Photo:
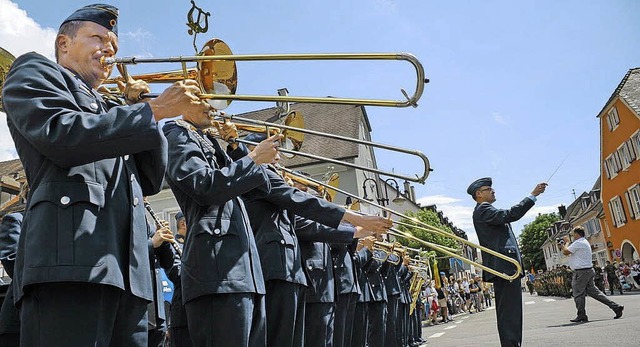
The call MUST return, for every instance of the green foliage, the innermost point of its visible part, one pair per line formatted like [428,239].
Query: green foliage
[431,218]
[532,237]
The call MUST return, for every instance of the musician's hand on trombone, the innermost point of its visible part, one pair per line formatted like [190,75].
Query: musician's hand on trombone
[366,242]
[227,131]
[266,151]
[539,189]
[163,234]
[133,90]
[181,98]
[375,224]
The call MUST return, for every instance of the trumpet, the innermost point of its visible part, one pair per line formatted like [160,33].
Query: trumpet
[217,74]
[446,250]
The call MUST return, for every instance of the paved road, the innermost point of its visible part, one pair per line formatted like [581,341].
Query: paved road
[546,323]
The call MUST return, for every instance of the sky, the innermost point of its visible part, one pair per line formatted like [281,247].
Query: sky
[515,87]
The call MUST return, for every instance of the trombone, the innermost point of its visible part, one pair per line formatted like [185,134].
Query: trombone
[218,75]
[429,228]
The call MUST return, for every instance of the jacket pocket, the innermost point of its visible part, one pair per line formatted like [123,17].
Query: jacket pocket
[218,250]
[63,222]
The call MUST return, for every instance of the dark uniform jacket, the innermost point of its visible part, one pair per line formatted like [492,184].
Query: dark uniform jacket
[391,280]
[376,281]
[404,275]
[220,254]
[344,268]
[360,260]
[494,232]
[272,221]
[160,258]
[178,312]
[88,169]
[9,236]
[316,256]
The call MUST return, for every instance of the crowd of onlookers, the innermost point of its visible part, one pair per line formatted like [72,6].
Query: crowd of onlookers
[618,276]
[453,296]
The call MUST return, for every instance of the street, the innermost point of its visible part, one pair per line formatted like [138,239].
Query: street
[546,323]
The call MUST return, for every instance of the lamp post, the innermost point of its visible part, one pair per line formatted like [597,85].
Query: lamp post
[399,199]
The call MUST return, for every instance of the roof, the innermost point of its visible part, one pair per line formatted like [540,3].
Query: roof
[341,120]
[12,168]
[628,90]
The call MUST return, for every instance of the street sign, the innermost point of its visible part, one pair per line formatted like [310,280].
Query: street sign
[456,264]
[618,253]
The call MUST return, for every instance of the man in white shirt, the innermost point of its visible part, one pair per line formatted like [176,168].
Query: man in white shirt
[582,283]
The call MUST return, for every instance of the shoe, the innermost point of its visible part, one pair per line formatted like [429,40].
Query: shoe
[582,319]
[618,311]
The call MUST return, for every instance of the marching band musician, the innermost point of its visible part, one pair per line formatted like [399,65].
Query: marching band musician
[361,314]
[347,289]
[392,285]
[88,165]
[404,276]
[178,325]
[222,282]
[378,311]
[494,232]
[9,316]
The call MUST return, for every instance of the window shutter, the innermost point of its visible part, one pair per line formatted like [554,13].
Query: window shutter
[613,215]
[632,211]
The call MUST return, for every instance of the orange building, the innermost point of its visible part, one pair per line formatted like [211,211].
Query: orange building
[620,168]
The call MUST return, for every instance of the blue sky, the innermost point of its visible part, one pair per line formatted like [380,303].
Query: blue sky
[515,86]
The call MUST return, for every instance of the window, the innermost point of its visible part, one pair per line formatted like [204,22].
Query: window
[635,142]
[613,119]
[625,156]
[592,227]
[633,199]
[611,166]
[602,258]
[617,212]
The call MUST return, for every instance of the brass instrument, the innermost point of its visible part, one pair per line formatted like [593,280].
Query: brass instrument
[159,223]
[415,287]
[446,250]
[218,74]
[385,251]
[6,59]
[300,131]
[324,192]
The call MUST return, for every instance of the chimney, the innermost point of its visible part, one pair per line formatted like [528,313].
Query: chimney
[413,193]
[562,210]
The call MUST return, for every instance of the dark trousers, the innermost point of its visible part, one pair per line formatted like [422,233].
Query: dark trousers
[360,325]
[180,337]
[345,308]
[319,324]
[285,306]
[509,312]
[582,285]
[402,324]
[156,337]
[236,319]
[377,324]
[82,314]
[9,322]
[391,339]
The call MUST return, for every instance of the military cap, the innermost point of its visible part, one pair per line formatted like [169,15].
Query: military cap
[480,182]
[104,15]
[179,216]
[256,137]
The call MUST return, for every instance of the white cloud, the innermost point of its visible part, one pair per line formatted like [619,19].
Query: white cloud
[498,118]
[20,34]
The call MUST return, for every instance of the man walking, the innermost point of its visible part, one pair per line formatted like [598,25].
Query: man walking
[582,283]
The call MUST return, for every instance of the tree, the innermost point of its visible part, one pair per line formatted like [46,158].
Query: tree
[431,218]
[532,237]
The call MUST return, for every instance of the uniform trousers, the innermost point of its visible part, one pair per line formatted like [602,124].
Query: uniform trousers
[319,324]
[391,339]
[582,285]
[82,314]
[402,325]
[345,308]
[180,337]
[377,324]
[230,319]
[285,307]
[509,312]
[9,322]
[360,325]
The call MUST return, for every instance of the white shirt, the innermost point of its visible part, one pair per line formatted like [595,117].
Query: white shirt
[580,257]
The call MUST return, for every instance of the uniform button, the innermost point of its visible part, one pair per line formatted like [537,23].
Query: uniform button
[335,266]
[126,157]
[282,242]
[65,200]
[135,201]
[216,231]
[310,267]
[93,106]
[133,177]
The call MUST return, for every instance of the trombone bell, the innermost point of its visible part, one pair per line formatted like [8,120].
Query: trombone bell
[218,77]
